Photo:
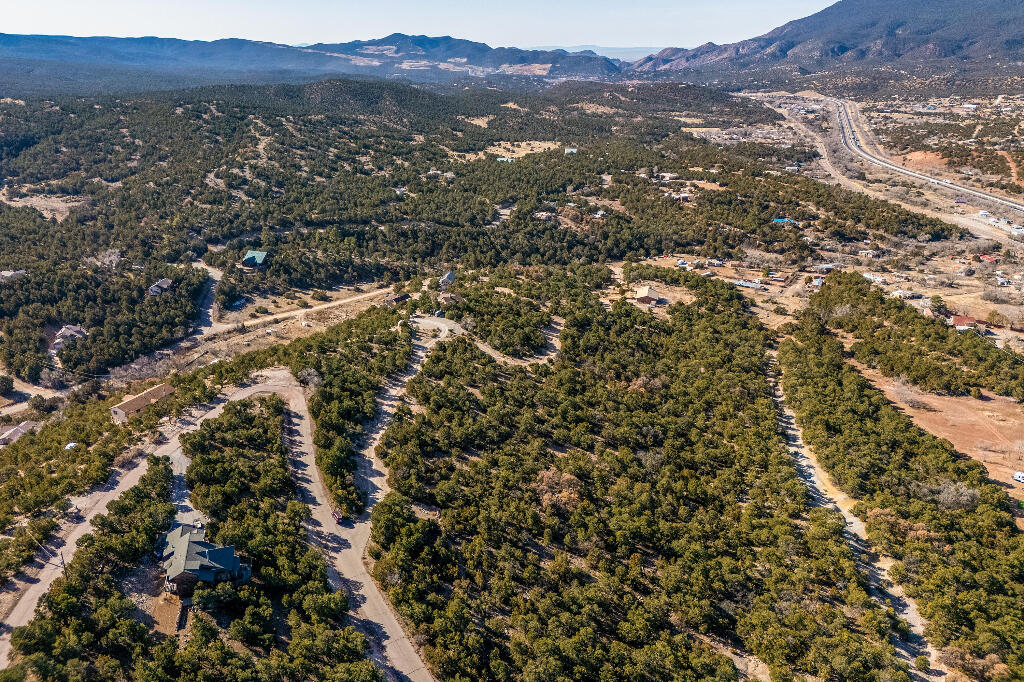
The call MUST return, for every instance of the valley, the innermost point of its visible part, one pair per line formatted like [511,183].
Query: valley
[414,358]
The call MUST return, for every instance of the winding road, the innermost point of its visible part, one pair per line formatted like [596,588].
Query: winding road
[344,544]
[853,140]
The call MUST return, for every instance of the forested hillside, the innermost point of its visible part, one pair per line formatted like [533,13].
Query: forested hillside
[951,530]
[900,341]
[597,514]
[342,182]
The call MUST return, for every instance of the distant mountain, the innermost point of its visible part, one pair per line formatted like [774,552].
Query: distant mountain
[35,64]
[626,54]
[405,54]
[869,32]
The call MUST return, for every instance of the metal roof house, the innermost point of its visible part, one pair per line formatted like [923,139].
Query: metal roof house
[133,405]
[446,280]
[160,286]
[189,559]
[254,259]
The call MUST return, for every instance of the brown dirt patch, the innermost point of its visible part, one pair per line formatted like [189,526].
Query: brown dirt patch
[166,610]
[924,161]
[595,108]
[482,121]
[517,150]
[990,430]
[50,205]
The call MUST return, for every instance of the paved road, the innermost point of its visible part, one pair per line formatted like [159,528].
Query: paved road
[853,140]
[824,493]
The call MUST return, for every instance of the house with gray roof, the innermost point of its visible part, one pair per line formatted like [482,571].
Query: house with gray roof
[189,559]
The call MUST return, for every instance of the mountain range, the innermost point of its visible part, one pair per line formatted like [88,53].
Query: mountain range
[936,34]
[869,32]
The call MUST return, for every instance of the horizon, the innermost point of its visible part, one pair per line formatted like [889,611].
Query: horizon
[574,23]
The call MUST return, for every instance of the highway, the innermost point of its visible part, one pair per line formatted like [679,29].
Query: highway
[852,141]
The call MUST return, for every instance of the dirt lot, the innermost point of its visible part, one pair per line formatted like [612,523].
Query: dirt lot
[990,430]
[517,150]
[50,205]
[280,304]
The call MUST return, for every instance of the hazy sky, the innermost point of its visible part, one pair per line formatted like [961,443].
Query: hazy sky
[508,22]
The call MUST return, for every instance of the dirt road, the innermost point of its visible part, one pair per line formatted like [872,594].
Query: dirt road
[375,618]
[24,606]
[824,493]
[28,593]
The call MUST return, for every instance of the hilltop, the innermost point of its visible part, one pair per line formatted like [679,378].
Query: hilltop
[944,33]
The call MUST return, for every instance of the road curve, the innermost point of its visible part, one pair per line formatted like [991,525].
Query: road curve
[851,140]
[95,502]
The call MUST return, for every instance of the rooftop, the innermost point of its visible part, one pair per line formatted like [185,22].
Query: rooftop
[254,257]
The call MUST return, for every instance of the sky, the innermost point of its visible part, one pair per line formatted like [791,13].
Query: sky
[615,23]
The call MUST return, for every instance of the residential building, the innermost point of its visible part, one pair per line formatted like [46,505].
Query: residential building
[449,298]
[133,405]
[646,295]
[188,559]
[254,259]
[13,433]
[395,299]
[570,151]
[160,286]
[447,279]
[67,333]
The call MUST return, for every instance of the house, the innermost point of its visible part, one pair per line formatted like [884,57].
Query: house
[189,559]
[160,286]
[254,259]
[600,214]
[7,275]
[447,279]
[13,433]
[667,177]
[818,282]
[67,333]
[784,221]
[506,159]
[449,299]
[876,279]
[966,323]
[826,267]
[906,295]
[867,253]
[1002,281]
[746,284]
[570,151]
[715,262]
[133,405]
[646,295]
[395,299]
[988,259]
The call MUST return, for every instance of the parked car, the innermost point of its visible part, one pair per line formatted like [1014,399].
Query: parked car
[1019,477]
